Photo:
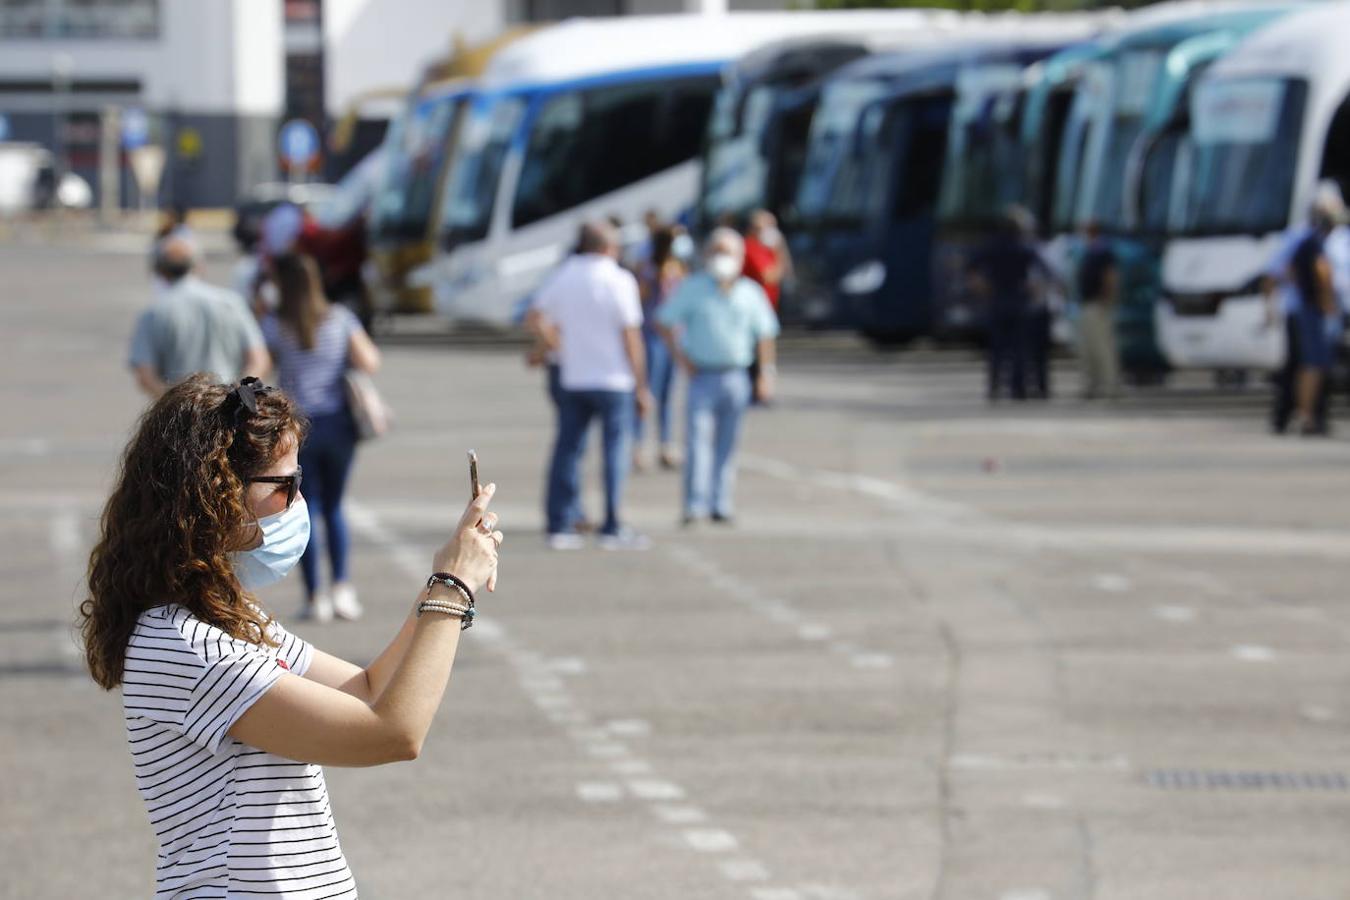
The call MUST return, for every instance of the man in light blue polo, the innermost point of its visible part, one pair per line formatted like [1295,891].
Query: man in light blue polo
[714,322]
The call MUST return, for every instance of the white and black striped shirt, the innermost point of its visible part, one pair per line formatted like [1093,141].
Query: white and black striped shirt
[232,821]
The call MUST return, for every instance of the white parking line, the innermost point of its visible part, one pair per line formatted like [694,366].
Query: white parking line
[744,870]
[1253,653]
[655,789]
[630,727]
[1112,583]
[600,791]
[679,815]
[1174,613]
[608,750]
[710,840]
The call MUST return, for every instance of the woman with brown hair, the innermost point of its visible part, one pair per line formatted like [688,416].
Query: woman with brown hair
[314,342]
[229,717]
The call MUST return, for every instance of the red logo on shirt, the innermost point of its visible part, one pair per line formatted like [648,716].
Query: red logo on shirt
[281,662]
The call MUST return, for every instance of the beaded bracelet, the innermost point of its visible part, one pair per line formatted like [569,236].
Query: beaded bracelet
[464,611]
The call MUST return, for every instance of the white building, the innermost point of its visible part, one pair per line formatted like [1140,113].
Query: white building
[212,74]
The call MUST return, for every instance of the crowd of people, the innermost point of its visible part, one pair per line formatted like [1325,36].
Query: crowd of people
[283,326]
[614,324]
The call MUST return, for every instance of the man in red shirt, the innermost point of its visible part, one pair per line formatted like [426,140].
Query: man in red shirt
[766,255]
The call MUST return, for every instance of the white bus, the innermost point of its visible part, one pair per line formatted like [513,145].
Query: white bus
[589,118]
[1269,121]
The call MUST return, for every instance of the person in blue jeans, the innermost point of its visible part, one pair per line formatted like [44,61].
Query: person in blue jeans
[714,323]
[313,343]
[589,310]
[658,276]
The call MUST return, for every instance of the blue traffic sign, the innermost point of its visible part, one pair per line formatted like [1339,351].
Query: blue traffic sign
[4,127]
[299,143]
[135,128]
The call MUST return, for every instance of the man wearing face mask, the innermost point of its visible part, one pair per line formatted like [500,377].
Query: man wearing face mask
[715,323]
[192,327]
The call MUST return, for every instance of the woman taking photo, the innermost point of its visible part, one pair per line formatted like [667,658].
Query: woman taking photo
[314,342]
[229,717]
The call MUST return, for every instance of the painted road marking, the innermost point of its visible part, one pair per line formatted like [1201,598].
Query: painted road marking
[744,870]
[710,840]
[600,791]
[630,727]
[1174,613]
[1253,653]
[1112,583]
[631,767]
[655,789]
[679,815]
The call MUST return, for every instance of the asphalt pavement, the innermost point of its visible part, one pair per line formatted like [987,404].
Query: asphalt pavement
[948,651]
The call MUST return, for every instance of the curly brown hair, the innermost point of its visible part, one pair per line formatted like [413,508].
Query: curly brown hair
[176,514]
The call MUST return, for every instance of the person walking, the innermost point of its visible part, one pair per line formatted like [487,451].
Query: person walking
[1005,272]
[1317,322]
[713,324]
[1098,297]
[658,277]
[314,343]
[230,717]
[192,327]
[1285,300]
[590,310]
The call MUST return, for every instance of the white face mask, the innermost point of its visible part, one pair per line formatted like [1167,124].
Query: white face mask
[770,237]
[724,267]
[285,537]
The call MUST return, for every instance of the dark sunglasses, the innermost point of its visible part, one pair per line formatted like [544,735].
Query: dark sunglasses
[292,483]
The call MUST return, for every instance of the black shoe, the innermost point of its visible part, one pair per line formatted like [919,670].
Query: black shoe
[720,519]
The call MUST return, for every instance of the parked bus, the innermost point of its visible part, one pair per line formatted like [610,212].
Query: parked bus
[401,226]
[892,144]
[1268,122]
[589,118]
[757,134]
[405,216]
[1138,76]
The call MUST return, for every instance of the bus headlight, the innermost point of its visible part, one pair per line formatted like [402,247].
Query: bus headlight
[864,278]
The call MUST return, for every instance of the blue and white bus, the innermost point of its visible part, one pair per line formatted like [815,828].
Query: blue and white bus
[761,120]
[589,118]
[1269,121]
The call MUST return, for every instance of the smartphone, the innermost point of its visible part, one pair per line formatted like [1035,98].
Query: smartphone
[473,474]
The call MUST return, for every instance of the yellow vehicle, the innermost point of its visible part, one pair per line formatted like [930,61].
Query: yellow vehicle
[403,219]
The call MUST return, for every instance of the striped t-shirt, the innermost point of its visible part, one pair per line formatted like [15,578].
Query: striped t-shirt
[313,378]
[232,821]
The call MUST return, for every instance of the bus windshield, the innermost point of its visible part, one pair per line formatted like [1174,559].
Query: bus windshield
[484,140]
[1135,79]
[735,172]
[984,172]
[1246,134]
[418,146]
[844,168]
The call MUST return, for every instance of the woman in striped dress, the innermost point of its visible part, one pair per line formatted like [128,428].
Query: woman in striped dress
[229,716]
[313,343]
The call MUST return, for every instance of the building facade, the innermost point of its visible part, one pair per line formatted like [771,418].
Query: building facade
[216,78]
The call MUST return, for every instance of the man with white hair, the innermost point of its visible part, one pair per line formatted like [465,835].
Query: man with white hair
[1326,212]
[193,327]
[589,310]
[714,323]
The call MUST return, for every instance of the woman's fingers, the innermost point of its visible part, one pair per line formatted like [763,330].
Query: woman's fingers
[477,507]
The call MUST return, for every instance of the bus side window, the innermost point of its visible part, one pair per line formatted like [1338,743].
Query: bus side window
[586,145]
[1336,156]
[921,176]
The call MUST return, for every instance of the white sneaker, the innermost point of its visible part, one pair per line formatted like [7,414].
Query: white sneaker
[319,609]
[566,540]
[345,604]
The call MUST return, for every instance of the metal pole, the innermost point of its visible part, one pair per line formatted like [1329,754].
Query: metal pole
[109,168]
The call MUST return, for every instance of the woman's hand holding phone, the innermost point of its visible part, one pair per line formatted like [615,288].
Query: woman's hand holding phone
[471,553]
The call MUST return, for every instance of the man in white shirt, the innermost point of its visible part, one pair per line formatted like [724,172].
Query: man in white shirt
[589,310]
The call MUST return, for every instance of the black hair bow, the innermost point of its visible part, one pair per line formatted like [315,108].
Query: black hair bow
[244,397]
